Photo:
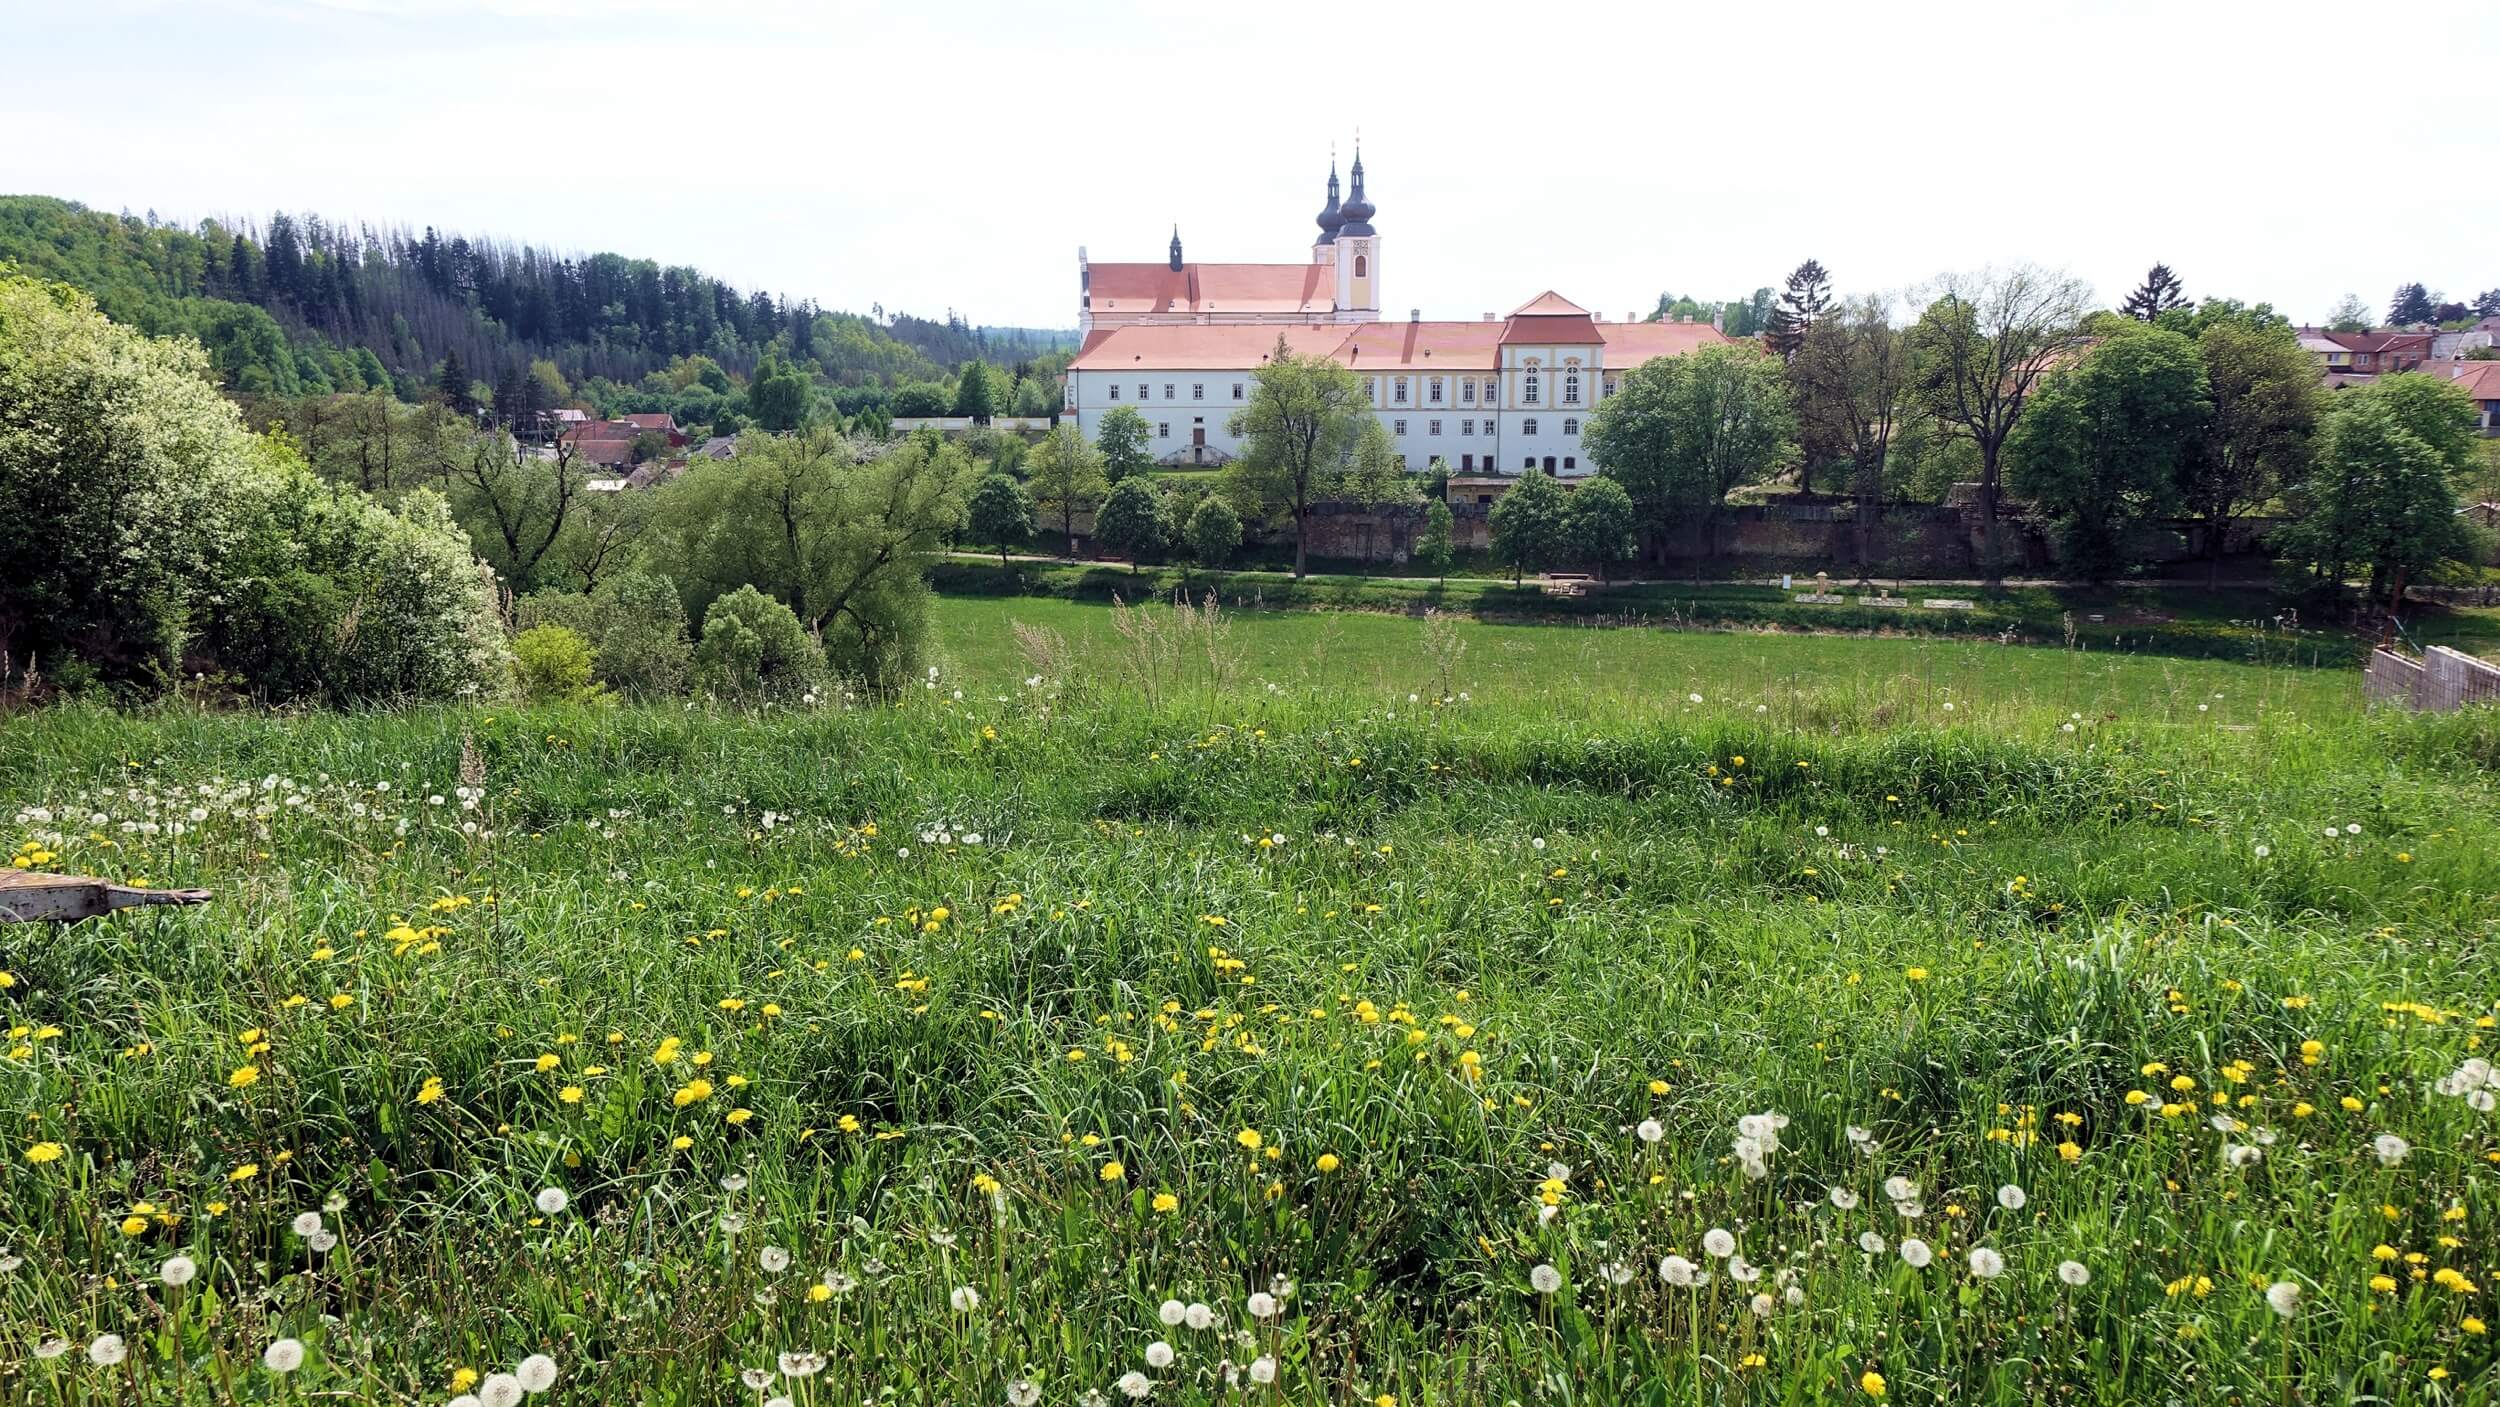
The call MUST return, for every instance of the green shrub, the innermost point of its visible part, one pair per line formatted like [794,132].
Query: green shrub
[636,627]
[754,651]
[552,665]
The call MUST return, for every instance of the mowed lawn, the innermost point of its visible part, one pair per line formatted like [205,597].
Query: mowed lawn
[1597,671]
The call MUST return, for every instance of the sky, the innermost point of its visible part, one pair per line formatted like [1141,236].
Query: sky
[956,153]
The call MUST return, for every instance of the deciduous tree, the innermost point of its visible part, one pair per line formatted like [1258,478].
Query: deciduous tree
[1121,438]
[2381,494]
[1680,433]
[1132,521]
[1855,396]
[2100,447]
[1602,525]
[1296,433]
[1066,476]
[2265,411]
[1532,525]
[1000,514]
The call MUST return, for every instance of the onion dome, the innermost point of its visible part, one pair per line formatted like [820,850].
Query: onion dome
[1359,210]
[1330,220]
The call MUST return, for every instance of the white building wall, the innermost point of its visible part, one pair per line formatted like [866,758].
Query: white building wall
[1176,413]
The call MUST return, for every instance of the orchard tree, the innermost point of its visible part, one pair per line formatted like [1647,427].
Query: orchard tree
[2381,494]
[1132,521]
[1854,396]
[1000,513]
[1435,548]
[2100,447]
[1121,440]
[1214,532]
[1066,475]
[2265,415]
[1681,432]
[1983,345]
[1532,525]
[1296,433]
[1602,525]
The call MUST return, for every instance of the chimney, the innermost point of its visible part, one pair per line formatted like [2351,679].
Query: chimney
[1414,315]
[1490,318]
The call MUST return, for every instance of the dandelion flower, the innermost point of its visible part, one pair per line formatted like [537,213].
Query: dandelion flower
[1263,1370]
[1985,1263]
[965,1299]
[1546,1279]
[1158,1354]
[1870,1243]
[1844,1199]
[1263,1305]
[1900,1189]
[500,1390]
[803,1364]
[1917,1253]
[773,1259]
[283,1356]
[1199,1316]
[2391,1150]
[1718,1242]
[1678,1271]
[1871,1383]
[1172,1313]
[2283,1296]
[2012,1198]
[1135,1384]
[551,1200]
[2074,1272]
[1650,1130]
[307,1224]
[178,1270]
[107,1350]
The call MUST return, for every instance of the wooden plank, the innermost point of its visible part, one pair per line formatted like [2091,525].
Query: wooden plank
[27,896]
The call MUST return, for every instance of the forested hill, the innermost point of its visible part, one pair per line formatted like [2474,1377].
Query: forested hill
[303,305]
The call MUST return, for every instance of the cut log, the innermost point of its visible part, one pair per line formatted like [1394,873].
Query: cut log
[27,896]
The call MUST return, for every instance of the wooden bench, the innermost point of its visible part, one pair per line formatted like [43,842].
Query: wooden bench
[29,896]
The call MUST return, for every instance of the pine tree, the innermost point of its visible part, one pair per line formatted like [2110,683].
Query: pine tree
[2487,303]
[1800,306]
[2158,294]
[2412,304]
[452,384]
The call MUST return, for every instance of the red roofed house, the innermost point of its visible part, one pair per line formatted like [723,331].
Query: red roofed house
[2343,356]
[2481,383]
[1177,342]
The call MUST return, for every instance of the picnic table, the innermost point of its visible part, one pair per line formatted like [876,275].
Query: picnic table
[31,896]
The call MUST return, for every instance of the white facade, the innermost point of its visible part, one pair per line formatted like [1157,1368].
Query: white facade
[1180,342]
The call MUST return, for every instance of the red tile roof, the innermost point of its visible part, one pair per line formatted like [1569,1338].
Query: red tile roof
[652,421]
[2479,380]
[1549,304]
[1551,331]
[1410,346]
[1460,346]
[1210,288]
[1199,347]
[1628,344]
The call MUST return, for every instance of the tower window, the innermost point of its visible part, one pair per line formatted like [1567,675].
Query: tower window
[1362,266]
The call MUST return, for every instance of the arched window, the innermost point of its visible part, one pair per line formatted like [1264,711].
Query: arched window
[1527,391]
[1362,266]
[1571,388]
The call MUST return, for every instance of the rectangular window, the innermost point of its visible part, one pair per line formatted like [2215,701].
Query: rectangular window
[1167,390]
[1198,392]
[1527,389]
[1436,390]
[1467,392]
[1115,390]
[1571,388]
[1528,462]
[1163,431]
[1401,390]
[1527,427]
[1570,462]
[1492,390]
[1236,390]
[1397,427]
[1466,461]
[1466,427]
[1141,390]
[1571,427]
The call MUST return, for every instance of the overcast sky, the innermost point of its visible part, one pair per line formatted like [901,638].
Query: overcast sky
[954,153]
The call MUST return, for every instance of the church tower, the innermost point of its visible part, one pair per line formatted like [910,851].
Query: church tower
[1324,252]
[1357,247]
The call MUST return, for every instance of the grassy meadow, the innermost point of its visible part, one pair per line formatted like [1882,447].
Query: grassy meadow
[1288,1009]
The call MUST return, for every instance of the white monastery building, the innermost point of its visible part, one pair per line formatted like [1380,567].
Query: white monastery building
[1177,341]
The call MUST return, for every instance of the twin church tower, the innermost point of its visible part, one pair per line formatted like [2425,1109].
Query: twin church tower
[1340,284]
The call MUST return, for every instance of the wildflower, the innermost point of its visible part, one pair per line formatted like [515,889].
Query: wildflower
[800,1365]
[1871,1383]
[46,1152]
[1166,1203]
[1328,1162]
[1985,1263]
[178,1271]
[107,1350]
[307,1224]
[1917,1253]
[1199,1316]
[1546,1279]
[1023,1393]
[2283,1297]
[1718,1242]
[2074,1272]
[1263,1305]
[2012,1198]
[773,1259]
[1650,1130]
[1135,1384]
[1844,1199]
[551,1200]
[1159,1354]
[1678,1271]
[283,1355]
[1263,1369]
[244,1077]
[1112,1171]
[1870,1243]
[431,1090]
[965,1299]
[1172,1312]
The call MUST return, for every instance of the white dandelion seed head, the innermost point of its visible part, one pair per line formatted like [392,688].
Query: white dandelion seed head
[1135,1384]
[1199,1316]
[551,1200]
[1023,1392]
[1917,1253]
[178,1270]
[802,1363]
[2283,1296]
[965,1299]
[1262,1305]
[1985,1263]
[1159,1354]
[1172,1312]
[1870,1243]
[283,1355]
[307,1224]
[500,1390]
[536,1372]
[1900,1189]
[1719,1242]
[2012,1198]
[1650,1130]
[1844,1199]
[1678,1271]
[1546,1279]
[773,1259]
[2074,1272]
[323,1241]
[2390,1148]
[756,1379]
